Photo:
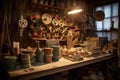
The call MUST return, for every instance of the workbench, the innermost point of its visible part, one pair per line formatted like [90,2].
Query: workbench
[55,67]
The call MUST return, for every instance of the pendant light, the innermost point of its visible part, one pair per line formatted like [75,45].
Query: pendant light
[75,9]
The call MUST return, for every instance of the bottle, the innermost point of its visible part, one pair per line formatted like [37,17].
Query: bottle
[69,40]
[39,54]
[5,43]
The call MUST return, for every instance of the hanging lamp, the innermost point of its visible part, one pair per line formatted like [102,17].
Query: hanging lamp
[75,9]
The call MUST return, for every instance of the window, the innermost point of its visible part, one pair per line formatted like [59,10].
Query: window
[111,14]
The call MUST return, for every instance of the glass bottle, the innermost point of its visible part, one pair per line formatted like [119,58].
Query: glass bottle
[39,54]
[69,40]
[5,43]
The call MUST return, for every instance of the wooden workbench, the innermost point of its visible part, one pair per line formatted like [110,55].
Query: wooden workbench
[55,67]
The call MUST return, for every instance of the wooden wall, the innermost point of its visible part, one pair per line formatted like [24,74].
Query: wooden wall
[103,2]
[14,9]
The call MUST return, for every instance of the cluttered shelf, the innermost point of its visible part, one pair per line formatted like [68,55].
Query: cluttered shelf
[47,6]
[55,67]
[39,39]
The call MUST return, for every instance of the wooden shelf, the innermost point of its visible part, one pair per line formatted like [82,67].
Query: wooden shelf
[46,39]
[46,7]
[39,39]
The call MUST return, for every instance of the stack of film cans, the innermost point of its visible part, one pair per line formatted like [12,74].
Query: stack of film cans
[25,60]
[48,55]
[10,62]
[56,53]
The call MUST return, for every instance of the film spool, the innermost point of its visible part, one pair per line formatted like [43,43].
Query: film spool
[56,53]
[25,60]
[56,50]
[48,51]
[10,62]
[48,54]
[32,56]
[48,58]
[56,58]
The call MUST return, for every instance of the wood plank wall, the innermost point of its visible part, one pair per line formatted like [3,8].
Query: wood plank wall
[23,6]
[14,10]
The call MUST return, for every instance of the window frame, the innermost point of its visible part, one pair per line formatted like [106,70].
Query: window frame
[111,17]
[104,31]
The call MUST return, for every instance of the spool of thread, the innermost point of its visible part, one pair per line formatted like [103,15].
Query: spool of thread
[48,54]
[10,62]
[25,60]
[56,53]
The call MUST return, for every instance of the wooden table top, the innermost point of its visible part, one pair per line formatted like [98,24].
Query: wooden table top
[55,67]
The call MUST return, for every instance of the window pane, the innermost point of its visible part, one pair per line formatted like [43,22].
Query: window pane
[99,25]
[114,35]
[99,8]
[99,34]
[107,24]
[115,22]
[107,11]
[115,9]
[108,35]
